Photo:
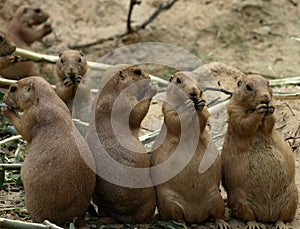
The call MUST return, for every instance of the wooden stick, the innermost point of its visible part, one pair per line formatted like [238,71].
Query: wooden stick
[10,166]
[285,81]
[286,96]
[12,138]
[16,224]
[34,56]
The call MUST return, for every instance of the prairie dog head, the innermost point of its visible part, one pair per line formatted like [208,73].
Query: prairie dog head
[124,76]
[181,82]
[20,96]
[7,46]
[253,90]
[71,67]
[31,15]
[28,92]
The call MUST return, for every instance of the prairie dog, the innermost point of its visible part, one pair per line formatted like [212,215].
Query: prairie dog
[126,204]
[258,166]
[57,173]
[190,196]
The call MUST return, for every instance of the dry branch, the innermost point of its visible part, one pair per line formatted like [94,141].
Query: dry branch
[52,59]
[12,138]
[132,4]
[285,81]
[218,89]
[34,56]
[286,96]
[10,166]
[16,224]
[164,6]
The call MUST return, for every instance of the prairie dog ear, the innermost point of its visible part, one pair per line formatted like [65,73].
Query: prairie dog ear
[239,83]
[171,78]
[138,72]
[81,52]
[30,87]
[121,76]
[25,10]
[59,55]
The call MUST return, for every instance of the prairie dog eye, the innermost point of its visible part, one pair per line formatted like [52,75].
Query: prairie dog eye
[138,72]
[249,88]
[62,61]
[178,81]
[37,10]
[1,38]
[79,60]
[13,88]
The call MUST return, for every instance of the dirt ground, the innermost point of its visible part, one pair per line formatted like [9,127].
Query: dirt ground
[254,35]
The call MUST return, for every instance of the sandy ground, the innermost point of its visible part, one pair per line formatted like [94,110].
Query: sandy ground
[254,35]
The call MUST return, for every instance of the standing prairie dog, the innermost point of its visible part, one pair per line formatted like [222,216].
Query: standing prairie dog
[124,203]
[70,70]
[57,173]
[258,166]
[22,32]
[190,196]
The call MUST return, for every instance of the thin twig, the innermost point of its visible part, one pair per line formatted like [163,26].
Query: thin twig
[219,89]
[51,225]
[284,81]
[13,224]
[295,135]
[12,138]
[14,209]
[164,6]
[294,3]
[291,110]
[10,166]
[286,96]
[132,4]
[292,138]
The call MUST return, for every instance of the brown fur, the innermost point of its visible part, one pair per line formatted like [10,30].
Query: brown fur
[58,182]
[189,196]
[70,70]
[7,47]
[258,166]
[22,32]
[128,205]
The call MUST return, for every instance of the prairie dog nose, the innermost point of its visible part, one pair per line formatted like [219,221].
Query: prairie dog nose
[265,99]
[193,92]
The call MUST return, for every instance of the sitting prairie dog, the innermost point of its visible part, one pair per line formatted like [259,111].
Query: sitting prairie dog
[22,32]
[70,70]
[7,47]
[189,196]
[57,173]
[258,166]
[123,203]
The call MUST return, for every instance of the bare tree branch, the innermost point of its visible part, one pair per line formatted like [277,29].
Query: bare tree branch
[12,224]
[164,6]
[132,4]
[10,166]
